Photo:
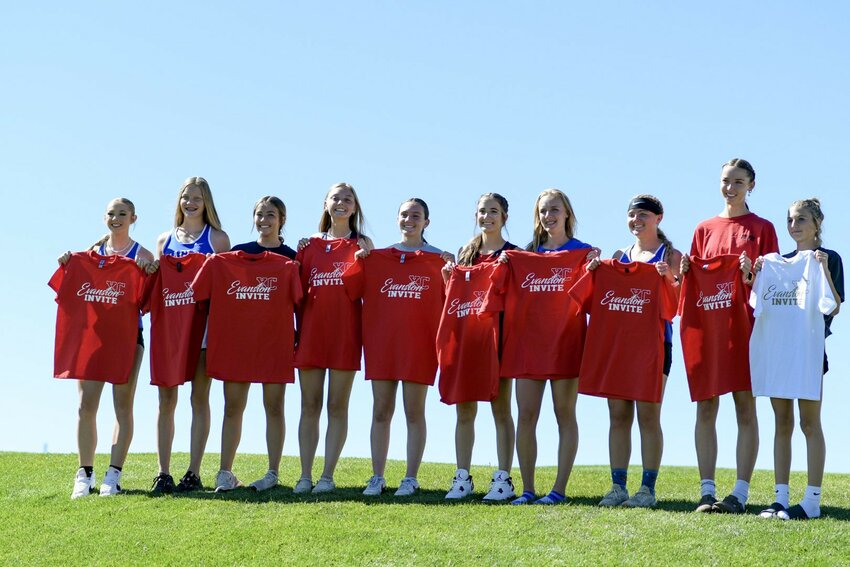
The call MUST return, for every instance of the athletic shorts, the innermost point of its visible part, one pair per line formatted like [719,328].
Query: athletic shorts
[825,363]
[140,338]
[668,358]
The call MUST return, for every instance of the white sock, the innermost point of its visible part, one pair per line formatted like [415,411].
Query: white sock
[811,501]
[462,474]
[741,491]
[782,493]
[501,475]
[707,487]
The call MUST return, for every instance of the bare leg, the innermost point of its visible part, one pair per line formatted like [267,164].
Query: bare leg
[748,434]
[165,427]
[235,400]
[465,433]
[810,423]
[90,392]
[384,394]
[339,394]
[504,420]
[414,411]
[622,414]
[200,399]
[275,425]
[122,400]
[783,412]
[705,437]
[529,397]
[312,381]
[651,436]
[564,394]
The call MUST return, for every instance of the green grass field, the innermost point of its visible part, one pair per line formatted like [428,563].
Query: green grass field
[41,525]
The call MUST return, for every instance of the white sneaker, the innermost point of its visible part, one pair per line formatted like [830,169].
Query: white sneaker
[324,485]
[615,497]
[462,485]
[501,488]
[376,486]
[303,486]
[268,481]
[226,480]
[111,482]
[408,487]
[83,484]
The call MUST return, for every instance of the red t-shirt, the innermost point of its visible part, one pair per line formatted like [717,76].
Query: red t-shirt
[250,328]
[543,333]
[329,322]
[177,324]
[628,304]
[97,322]
[748,233]
[715,327]
[402,300]
[467,344]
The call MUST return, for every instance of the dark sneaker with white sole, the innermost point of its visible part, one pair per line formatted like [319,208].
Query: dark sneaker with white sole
[189,483]
[705,504]
[729,505]
[162,484]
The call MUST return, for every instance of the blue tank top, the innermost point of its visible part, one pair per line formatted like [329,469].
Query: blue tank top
[571,244]
[657,257]
[201,245]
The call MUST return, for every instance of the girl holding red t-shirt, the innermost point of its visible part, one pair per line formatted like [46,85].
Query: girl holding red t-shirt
[736,230]
[269,218]
[554,230]
[196,229]
[120,215]
[413,217]
[487,246]
[652,247]
[326,317]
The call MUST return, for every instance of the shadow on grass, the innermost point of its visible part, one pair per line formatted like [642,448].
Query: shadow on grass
[284,495]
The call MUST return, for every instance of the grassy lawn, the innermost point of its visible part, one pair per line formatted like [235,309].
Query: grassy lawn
[41,525]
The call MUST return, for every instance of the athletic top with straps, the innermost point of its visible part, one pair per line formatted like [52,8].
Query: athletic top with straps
[131,254]
[201,245]
[657,257]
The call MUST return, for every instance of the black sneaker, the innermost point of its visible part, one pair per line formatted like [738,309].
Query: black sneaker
[190,482]
[706,503]
[729,505]
[162,484]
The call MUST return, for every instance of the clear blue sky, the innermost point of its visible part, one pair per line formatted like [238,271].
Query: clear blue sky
[438,100]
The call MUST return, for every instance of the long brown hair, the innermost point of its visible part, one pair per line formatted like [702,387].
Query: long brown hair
[540,236]
[473,248]
[278,204]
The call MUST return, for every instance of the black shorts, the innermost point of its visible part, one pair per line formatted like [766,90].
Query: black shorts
[825,363]
[668,358]
[140,338]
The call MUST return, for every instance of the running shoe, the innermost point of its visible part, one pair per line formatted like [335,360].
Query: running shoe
[324,485]
[376,486]
[226,480]
[643,498]
[706,503]
[729,505]
[111,482]
[162,484]
[189,483]
[303,486]
[408,486]
[462,485]
[268,481]
[501,488]
[83,484]
[615,497]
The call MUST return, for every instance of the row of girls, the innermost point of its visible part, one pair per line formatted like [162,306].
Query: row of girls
[480,310]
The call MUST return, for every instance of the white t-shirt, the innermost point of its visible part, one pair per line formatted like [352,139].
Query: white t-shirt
[790,297]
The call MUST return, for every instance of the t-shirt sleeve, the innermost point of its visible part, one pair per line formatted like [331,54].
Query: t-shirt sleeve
[836,271]
[755,293]
[582,291]
[202,284]
[669,301]
[494,299]
[696,243]
[295,283]
[57,278]
[151,283]
[769,242]
[353,279]
[826,301]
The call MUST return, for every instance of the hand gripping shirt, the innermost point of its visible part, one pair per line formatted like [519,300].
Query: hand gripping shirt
[715,327]
[402,296]
[177,323]
[543,333]
[467,347]
[251,334]
[97,321]
[329,321]
[624,354]
[789,299]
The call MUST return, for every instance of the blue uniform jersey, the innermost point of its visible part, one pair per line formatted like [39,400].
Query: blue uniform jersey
[571,244]
[201,245]
[657,257]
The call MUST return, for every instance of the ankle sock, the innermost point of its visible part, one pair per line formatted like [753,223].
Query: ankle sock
[462,474]
[741,491]
[116,468]
[648,479]
[619,476]
[555,496]
[811,501]
[89,471]
[782,494]
[707,487]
